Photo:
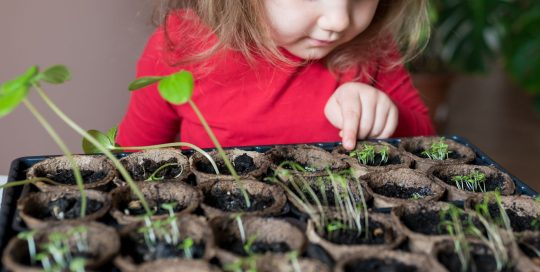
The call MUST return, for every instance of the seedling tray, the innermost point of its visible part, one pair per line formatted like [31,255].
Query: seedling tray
[10,223]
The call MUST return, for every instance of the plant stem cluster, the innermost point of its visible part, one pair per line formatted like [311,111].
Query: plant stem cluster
[475,181]
[366,155]
[437,151]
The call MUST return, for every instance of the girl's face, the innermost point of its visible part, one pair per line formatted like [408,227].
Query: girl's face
[310,29]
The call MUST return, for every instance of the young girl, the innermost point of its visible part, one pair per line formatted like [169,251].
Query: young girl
[282,72]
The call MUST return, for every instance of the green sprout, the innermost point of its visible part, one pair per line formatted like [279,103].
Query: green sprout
[293,257]
[238,218]
[154,177]
[247,264]
[77,265]
[417,196]
[475,181]
[29,237]
[335,226]
[187,246]
[454,227]
[249,244]
[437,151]
[368,152]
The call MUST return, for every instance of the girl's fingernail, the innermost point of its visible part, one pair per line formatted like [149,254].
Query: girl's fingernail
[349,144]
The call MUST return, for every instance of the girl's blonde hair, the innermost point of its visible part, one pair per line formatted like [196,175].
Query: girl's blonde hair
[241,25]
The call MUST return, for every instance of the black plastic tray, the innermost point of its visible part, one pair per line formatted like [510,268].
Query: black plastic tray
[9,228]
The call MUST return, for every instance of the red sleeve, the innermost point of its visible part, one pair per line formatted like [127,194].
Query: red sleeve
[149,119]
[414,117]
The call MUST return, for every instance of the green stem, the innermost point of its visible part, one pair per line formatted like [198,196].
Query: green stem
[220,151]
[97,144]
[28,181]
[192,146]
[65,150]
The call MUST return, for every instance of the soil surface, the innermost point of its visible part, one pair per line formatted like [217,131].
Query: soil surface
[529,246]
[67,208]
[141,253]
[517,222]
[482,260]
[453,155]
[378,161]
[234,201]
[66,176]
[391,189]
[492,183]
[242,164]
[378,265]
[148,167]
[352,237]
[136,208]
[236,246]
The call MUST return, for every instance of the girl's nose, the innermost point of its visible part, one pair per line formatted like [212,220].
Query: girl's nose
[334,18]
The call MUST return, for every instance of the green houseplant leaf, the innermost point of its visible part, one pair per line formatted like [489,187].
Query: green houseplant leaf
[14,91]
[177,88]
[56,74]
[103,139]
[143,82]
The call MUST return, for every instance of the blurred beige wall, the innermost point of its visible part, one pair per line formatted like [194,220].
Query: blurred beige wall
[99,40]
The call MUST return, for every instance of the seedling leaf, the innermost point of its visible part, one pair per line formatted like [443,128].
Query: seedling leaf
[12,92]
[143,82]
[103,139]
[177,88]
[56,74]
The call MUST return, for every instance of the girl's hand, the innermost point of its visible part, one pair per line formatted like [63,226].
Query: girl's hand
[361,111]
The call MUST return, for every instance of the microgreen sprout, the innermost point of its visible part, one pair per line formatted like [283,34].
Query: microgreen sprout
[475,181]
[417,196]
[154,177]
[247,264]
[452,223]
[187,246]
[368,154]
[437,151]
[293,257]
[241,230]
[177,89]
[29,237]
[249,244]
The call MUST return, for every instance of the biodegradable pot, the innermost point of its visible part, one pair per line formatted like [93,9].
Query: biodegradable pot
[177,265]
[103,242]
[39,208]
[126,207]
[388,260]
[495,180]
[225,198]
[460,154]
[382,232]
[400,186]
[420,222]
[271,236]
[396,159]
[284,263]
[314,159]
[140,165]
[529,244]
[317,183]
[482,258]
[523,211]
[96,171]
[134,252]
[247,164]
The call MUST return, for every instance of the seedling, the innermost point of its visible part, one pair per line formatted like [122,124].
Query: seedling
[154,177]
[368,153]
[247,264]
[249,244]
[13,92]
[475,181]
[238,218]
[454,227]
[177,89]
[417,196]
[29,237]
[187,246]
[437,151]
[293,257]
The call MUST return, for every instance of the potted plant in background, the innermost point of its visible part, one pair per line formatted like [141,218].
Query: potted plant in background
[467,37]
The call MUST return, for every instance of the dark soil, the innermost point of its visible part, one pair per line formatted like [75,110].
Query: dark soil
[70,207]
[140,252]
[378,265]
[492,183]
[529,246]
[428,222]
[482,260]
[391,189]
[242,164]
[236,246]
[148,167]
[234,201]
[517,222]
[136,208]
[352,237]
[66,176]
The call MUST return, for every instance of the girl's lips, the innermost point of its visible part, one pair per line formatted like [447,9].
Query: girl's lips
[316,42]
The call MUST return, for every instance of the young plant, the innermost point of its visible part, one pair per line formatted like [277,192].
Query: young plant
[417,196]
[248,245]
[368,153]
[177,89]
[437,151]
[293,257]
[452,223]
[154,177]
[29,237]
[13,92]
[187,246]
[475,181]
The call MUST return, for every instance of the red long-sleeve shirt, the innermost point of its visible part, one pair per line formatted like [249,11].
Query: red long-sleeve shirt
[250,103]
